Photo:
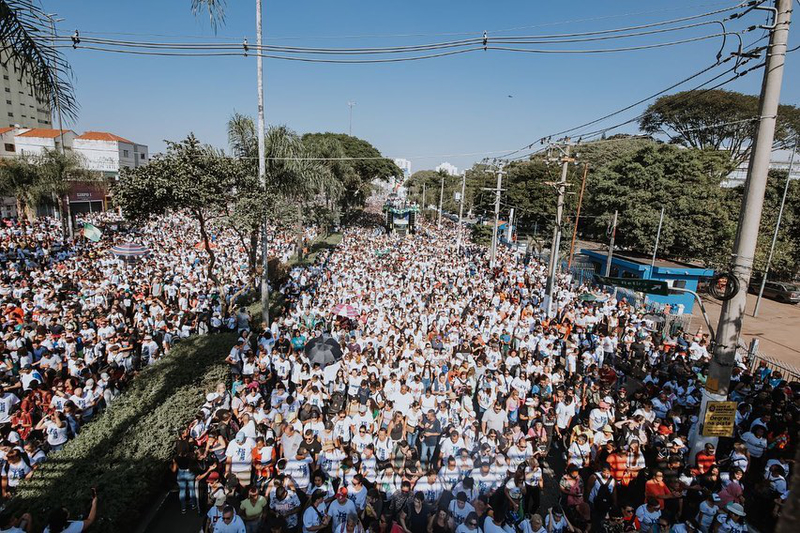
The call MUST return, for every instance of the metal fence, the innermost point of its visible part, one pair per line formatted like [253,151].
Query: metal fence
[753,358]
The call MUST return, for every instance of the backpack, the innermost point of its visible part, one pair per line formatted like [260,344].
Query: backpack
[603,499]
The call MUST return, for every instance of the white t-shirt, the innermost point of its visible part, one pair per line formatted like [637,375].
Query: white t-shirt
[241,455]
[7,402]
[646,517]
[75,526]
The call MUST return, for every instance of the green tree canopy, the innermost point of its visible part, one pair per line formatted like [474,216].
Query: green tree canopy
[698,225]
[716,119]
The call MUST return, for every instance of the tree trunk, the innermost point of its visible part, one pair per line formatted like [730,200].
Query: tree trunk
[22,217]
[212,260]
[299,231]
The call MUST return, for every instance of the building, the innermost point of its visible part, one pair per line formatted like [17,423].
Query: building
[98,151]
[36,140]
[107,153]
[448,168]
[405,166]
[19,104]
[780,161]
[633,265]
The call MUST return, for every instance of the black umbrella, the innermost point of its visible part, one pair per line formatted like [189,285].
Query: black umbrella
[323,350]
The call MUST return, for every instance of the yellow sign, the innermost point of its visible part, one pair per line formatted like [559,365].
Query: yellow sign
[720,419]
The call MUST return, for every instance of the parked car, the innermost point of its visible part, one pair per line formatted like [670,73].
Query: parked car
[777,290]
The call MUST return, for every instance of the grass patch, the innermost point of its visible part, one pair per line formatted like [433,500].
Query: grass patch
[127,450]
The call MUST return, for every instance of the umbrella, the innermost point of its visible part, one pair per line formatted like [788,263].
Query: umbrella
[345,310]
[323,350]
[129,249]
[202,246]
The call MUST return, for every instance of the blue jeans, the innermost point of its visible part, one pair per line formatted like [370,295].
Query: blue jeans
[411,437]
[426,457]
[186,490]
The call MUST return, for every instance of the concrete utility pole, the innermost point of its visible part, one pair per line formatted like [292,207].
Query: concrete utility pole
[424,192]
[67,211]
[610,255]
[733,310]
[658,238]
[493,254]
[441,198]
[561,187]
[577,215]
[350,105]
[510,225]
[461,209]
[262,172]
[775,234]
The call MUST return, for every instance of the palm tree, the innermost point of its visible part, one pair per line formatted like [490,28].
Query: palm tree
[27,44]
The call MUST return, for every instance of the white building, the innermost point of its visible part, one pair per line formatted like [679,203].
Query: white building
[36,140]
[108,153]
[448,168]
[19,103]
[405,166]
[780,161]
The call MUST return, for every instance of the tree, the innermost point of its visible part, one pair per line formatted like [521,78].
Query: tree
[190,177]
[697,225]
[28,48]
[41,180]
[293,180]
[716,119]
[366,160]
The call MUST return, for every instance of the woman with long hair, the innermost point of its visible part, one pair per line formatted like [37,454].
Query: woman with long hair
[59,521]
[184,466]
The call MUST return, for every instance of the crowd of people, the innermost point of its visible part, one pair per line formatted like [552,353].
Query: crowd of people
[459,406]
[79,322]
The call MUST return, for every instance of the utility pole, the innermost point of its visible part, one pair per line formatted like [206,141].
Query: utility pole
[441,198]
[577,216]
[510,225]
[262,172]
[658,238]
[611,244]
[775,234]
[733,310]
[561,187]
[350,105]
[493,254]
[67,211]
[461,209]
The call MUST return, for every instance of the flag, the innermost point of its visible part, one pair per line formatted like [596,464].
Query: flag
[92,232]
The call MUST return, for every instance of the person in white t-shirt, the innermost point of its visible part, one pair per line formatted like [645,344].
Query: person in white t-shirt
[59,521]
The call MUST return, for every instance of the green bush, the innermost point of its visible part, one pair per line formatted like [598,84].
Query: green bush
[126,451]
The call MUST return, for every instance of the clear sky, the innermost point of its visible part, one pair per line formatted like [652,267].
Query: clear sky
[427,111]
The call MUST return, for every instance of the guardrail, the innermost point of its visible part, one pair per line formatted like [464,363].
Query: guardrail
[753,358]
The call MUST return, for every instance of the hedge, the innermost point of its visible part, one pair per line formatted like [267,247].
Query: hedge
[126,451]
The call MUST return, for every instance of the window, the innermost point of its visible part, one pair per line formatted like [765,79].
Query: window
[125,153]
[8,102]
[9,147]
[10,114]
[5,76]
[679,283]
[141,156]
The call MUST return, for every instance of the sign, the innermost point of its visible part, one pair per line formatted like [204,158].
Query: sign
[719,419]
[650,286]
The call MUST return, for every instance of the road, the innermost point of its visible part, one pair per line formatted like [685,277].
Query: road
[777,326]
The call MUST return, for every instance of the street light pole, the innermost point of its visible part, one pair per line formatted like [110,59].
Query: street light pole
[461,209]
[262,171]
[441,198]
[67,219]
[350,105]
[658,238]
[775,234]
[610,255]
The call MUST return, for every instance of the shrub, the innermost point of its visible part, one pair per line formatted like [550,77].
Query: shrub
[126,451]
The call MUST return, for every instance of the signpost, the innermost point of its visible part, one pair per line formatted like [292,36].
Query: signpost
[650,286]
[719,419]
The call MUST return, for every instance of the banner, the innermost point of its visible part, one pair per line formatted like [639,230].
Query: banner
[650,286]
[92,232]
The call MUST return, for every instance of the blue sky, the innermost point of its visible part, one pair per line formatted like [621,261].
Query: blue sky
[427,111]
